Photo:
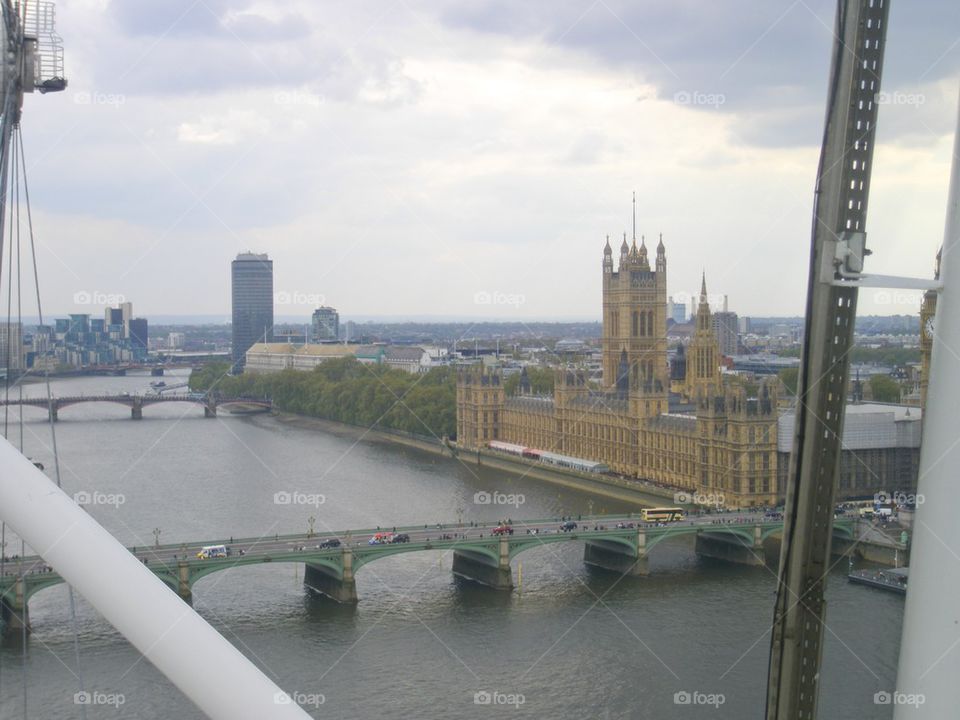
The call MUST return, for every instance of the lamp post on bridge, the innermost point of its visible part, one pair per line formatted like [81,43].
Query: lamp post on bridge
[156,537]
[311,520]
[460,515]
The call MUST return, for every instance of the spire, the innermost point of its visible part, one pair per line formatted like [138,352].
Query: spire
[660,248]
[703,287]
[607,250]
[624,248]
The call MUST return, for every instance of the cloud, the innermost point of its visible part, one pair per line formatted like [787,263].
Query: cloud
[767,60]
[400,158]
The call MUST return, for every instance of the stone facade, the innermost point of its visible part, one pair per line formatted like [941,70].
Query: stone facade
[713,439]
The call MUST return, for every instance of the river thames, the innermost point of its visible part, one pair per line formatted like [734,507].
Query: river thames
[689,640]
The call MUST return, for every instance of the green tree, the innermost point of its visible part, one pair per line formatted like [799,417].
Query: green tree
[349,391]
[789,377]
[884,389]
[202,379]
[541,381]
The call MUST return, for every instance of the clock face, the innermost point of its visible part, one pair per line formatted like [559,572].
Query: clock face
[928,328]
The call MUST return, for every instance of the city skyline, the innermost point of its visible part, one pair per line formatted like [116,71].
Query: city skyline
[467,154]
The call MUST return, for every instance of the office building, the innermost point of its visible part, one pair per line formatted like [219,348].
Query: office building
[325,324]
[677,311]
[252,291]
[138,335]
[726,328]
[11,346]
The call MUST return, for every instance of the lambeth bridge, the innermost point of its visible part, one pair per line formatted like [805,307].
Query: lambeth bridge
[136,403]
[620,543]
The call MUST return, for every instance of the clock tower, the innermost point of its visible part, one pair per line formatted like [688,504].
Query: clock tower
[928,310]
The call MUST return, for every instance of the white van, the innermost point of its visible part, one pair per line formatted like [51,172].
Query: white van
[213,551]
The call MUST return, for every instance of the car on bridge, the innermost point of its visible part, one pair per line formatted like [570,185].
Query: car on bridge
[568,526]
[381,538]
[401,538]
[503,530]
[331,543]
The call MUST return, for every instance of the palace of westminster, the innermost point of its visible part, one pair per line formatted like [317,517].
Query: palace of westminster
[679,422]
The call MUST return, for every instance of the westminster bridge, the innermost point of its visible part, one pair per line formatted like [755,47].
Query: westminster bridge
[620,543]
[137,403]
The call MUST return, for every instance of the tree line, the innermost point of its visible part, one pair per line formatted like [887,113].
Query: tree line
[348,391]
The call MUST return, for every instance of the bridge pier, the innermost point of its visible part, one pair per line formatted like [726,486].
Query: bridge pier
[478,567]
[184,588]
[324,580]
[617,557]
[52,413]
[732,548]
[14,614]
[136,409]
[209,410]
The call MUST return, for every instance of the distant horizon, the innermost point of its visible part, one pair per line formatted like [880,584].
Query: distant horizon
[400,319]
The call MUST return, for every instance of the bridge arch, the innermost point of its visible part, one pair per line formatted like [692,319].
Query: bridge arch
[529,542]
[331,561]
[60,404]
[45,581]
[741,531]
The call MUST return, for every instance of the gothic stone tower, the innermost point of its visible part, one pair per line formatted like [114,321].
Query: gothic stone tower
[635,323]
[703,354]
[480,400]
[927,311]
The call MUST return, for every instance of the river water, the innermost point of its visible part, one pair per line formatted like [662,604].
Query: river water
[570,643]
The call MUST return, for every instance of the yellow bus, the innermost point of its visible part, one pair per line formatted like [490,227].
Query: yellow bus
[662,514]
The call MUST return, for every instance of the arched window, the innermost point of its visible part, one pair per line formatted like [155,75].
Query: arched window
[635,323]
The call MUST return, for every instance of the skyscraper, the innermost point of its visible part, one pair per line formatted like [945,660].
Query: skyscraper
[252,282]
[138,337]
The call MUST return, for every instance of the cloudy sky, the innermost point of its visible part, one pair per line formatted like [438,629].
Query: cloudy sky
[464,157]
